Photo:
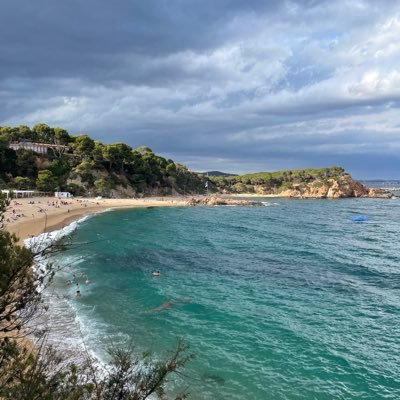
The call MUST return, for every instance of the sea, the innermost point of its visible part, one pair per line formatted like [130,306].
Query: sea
[391,185]
[289,300]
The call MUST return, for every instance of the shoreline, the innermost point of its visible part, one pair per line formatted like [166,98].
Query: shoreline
[256,195]
[25,219]
[296,197]
[31,217]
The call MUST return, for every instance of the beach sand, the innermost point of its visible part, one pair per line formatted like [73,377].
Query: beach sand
[33,216]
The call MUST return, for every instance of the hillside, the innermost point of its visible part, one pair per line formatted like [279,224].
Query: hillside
[81,165]
[217,173]
[332,182]
[53,160]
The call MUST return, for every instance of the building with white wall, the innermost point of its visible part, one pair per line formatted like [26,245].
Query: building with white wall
[40,148]
[63,195]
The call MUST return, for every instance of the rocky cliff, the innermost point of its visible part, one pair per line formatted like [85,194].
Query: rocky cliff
[338,187]
[328,182]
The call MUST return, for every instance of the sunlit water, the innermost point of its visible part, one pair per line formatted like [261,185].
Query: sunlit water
[292,300]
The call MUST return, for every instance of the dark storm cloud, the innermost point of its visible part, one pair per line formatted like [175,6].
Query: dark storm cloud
[222,84]
[109,40]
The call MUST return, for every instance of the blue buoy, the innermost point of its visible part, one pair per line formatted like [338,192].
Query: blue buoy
[359,218]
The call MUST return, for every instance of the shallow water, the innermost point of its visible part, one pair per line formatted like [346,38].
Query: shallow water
[289,301]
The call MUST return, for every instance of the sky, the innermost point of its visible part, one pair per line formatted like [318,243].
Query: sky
[229,85]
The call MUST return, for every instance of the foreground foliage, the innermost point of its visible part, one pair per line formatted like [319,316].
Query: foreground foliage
[47,375]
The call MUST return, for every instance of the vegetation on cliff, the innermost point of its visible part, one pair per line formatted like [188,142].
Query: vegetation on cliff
[84,166]
[87,166]
[275,181]
[332,182]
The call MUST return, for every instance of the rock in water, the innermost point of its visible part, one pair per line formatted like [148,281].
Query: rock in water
[217,201]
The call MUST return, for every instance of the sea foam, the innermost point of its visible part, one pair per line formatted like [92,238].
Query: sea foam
[269,204]
[67,329]
[46,239]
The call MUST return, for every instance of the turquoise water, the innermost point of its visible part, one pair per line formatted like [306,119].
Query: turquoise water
[288,301]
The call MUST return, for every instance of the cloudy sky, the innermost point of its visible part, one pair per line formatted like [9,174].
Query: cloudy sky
[233,85]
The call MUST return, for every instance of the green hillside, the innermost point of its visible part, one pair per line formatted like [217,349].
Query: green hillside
[217,173]
[83,166]
[87,166]
[275,181]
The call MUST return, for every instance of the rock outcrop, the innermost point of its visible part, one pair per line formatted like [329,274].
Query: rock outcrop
[217,201]
[380,193]
[334,188]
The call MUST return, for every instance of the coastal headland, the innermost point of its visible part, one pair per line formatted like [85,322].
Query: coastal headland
[330,183]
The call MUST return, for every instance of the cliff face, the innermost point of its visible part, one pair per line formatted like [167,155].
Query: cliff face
[329,182]
[339,187]
[91,180]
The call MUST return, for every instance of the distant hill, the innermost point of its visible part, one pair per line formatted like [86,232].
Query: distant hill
[217,173]
[332,182]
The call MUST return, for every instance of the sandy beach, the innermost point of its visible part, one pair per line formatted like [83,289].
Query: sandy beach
[33,216]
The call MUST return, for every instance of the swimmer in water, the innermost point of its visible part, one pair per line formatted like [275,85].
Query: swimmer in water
[156,273]
[78,293]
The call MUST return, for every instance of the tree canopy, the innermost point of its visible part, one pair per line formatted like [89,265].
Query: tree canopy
[89,166]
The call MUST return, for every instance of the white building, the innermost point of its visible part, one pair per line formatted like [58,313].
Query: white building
[18,194]
[40,148]
[63,195]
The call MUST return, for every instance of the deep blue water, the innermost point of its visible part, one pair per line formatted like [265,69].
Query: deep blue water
[288,301]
